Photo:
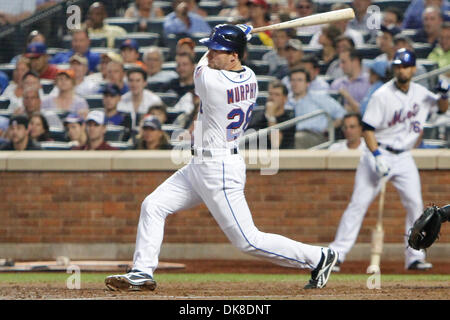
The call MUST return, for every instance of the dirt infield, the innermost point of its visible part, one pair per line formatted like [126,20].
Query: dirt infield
[337,289]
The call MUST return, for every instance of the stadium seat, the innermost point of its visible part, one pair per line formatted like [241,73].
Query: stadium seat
[262,99]
[433,144]
[155,86]
[94,101]
[165,6]
[156,26]
[129,24]
[263,82]
[170,128]
[4,103]
[5,113]
[336,96]
[304,37]
[422,50]
[171,65]
[172,115]
[62,114]
[47,85]
[58,134]
[257,52]
[102,50]
[211,7]
[53,51]
[430,131]
[428,65]
[259,67]
[121,145]
[144,39]
[311,50]
[256,41]
[199,52]
[400,4]
[8,68]
[215,20]
[55,145]
[369,51]
[169,98]
[114,133]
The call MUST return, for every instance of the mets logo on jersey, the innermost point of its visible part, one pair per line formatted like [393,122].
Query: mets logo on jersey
[400,116]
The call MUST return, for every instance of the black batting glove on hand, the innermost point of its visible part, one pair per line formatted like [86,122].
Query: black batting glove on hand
[442,88]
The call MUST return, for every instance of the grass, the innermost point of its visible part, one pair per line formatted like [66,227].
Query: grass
[45,277]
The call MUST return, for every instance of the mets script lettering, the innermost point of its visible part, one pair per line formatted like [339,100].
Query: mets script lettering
[400,117]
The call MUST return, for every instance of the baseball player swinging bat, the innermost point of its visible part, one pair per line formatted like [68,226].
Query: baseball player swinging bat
[378,232]
[315,19]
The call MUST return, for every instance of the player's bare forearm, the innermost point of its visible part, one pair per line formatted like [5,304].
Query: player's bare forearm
[371,141]
[443,105]
[419,140]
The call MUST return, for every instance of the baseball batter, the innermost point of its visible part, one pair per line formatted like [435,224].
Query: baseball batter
[392,125]
[216,174]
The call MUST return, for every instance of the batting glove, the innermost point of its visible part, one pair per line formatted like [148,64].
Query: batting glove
[442,88]
[247,30]
[380,164]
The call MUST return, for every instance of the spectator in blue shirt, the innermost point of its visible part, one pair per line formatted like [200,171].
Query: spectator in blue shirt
[80,45]
[313,131]
[413,14]
[378,75]
[183,21]
[4,81]
[111,98]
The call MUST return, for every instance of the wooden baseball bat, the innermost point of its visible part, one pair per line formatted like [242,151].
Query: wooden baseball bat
[314,19]
[378,232]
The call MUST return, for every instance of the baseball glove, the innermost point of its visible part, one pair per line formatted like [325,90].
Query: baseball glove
[426,229]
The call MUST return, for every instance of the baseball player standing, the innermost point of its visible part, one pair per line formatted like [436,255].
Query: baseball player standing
[392,124]
[216,173]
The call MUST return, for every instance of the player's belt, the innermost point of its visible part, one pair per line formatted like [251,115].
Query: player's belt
[392,150]
[212,153]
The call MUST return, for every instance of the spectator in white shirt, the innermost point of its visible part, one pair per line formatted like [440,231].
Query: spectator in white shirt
[138,100]
[83,85]
[352,130]
[154,59]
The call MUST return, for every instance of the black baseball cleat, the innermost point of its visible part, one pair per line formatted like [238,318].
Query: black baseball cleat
[134,280]
[420,265]
[320,275]
[337,267]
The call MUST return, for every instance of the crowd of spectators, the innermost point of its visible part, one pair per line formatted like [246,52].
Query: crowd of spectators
[128,92]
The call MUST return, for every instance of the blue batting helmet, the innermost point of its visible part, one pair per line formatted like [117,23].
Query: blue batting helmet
[226,37]
[404,58]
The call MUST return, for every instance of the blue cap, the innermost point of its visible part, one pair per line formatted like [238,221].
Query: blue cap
[379,67]
[151,122]
[36,49]
[404,57]
[392,29]
[73,118]
[129,43]
[111,88]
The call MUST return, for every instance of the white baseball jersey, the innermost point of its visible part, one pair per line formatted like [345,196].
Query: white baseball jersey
[399,117]
[227,100]
[218,180]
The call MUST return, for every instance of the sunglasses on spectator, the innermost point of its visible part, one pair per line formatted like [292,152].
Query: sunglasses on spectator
[303,7]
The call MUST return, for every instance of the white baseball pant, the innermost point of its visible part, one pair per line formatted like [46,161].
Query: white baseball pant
[404,176]
[219,183]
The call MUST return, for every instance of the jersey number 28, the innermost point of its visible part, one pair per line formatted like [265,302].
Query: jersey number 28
[242,119]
